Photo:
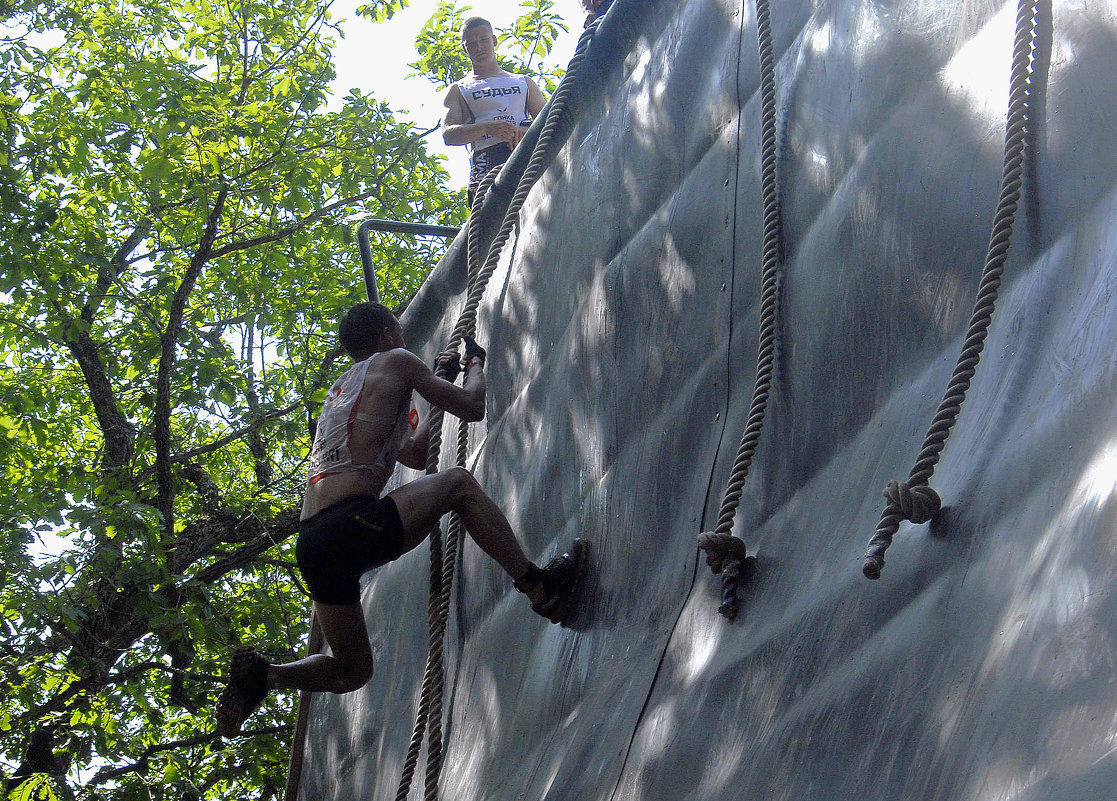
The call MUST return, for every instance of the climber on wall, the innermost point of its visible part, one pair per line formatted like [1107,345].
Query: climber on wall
[488,110]
[367,424]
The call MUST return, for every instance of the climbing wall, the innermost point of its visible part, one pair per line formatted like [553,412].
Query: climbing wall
[622,328]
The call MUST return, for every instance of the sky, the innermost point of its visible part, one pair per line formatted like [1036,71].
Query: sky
[373,58]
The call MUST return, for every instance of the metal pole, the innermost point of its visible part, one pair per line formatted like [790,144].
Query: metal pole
[395,227]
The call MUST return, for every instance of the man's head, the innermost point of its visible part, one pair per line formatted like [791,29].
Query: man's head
[369,328]
[478,41]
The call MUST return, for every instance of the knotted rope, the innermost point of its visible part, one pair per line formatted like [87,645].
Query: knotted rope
[443,565]
[725,553]
[914,499]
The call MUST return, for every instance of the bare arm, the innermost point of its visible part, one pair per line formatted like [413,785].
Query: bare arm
[535,100]
[413,453]
[466,402]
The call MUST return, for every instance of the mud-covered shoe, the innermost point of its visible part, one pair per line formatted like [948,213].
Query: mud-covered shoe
[248,686]
[561,580]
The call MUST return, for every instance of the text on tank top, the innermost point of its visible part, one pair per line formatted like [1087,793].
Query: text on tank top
[499,97]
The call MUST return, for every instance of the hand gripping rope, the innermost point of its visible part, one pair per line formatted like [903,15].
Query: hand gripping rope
[725,553]
[914,499]
[442,565]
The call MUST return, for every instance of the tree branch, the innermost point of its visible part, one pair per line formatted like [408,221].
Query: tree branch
[217,444]
[324,211]
[131,673]
[255,425]
[283,526]
[29,330]
[248,80]
[112,627]
[256,447]
[118,432]
[109,774]
[208,491]
[283,233]
[165,500]
[56,702]
[118,264]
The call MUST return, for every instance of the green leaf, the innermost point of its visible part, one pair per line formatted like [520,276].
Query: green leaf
[381,10]
[37,788]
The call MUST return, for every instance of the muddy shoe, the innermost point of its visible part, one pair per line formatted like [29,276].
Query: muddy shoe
[561,580]
[248,686]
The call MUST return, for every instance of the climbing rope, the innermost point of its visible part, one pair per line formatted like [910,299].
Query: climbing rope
[914,499]
[443,564]
[725,553]
[473,231]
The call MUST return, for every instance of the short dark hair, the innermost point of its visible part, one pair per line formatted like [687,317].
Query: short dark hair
[361,327]
[473,22]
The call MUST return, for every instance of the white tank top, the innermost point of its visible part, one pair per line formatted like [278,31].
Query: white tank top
[330,453]
[500,97]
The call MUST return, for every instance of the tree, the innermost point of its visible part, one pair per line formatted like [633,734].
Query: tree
[524,45]
[178,202]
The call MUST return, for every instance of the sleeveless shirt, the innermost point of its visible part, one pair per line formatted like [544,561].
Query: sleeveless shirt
[499,97]
[330,453]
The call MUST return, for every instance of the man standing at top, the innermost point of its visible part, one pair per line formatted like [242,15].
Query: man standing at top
[490,109]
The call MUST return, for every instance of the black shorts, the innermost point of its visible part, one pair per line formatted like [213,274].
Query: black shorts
[483,161]
[344,541]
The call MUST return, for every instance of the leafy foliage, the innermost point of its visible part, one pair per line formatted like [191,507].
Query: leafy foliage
[534,33]
[35,788]
[523,47]
[178,204]
[381,10]
[441,58]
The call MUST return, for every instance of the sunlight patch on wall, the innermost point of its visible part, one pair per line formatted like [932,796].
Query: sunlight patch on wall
[1056,589]
[978,75]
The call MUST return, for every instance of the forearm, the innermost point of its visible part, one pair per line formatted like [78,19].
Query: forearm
[464,134]
[475,386]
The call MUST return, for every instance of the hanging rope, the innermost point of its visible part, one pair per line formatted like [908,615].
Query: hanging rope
[443,564]
[914,499]
[725,553]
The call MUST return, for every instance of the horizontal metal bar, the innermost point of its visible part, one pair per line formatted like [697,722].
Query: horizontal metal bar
[394,227]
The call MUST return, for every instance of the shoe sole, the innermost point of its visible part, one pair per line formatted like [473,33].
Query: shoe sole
[231,712]
[579,552]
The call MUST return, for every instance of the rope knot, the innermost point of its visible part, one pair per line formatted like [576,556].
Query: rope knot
[724,553]
[917,504]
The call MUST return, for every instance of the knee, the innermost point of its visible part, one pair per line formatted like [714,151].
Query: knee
[353,677]
[463,484]
[362,676]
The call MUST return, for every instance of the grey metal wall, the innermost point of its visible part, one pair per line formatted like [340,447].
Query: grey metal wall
[622,334]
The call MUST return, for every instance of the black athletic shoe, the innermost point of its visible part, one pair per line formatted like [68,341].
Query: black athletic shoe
[248,686]
[562,582]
